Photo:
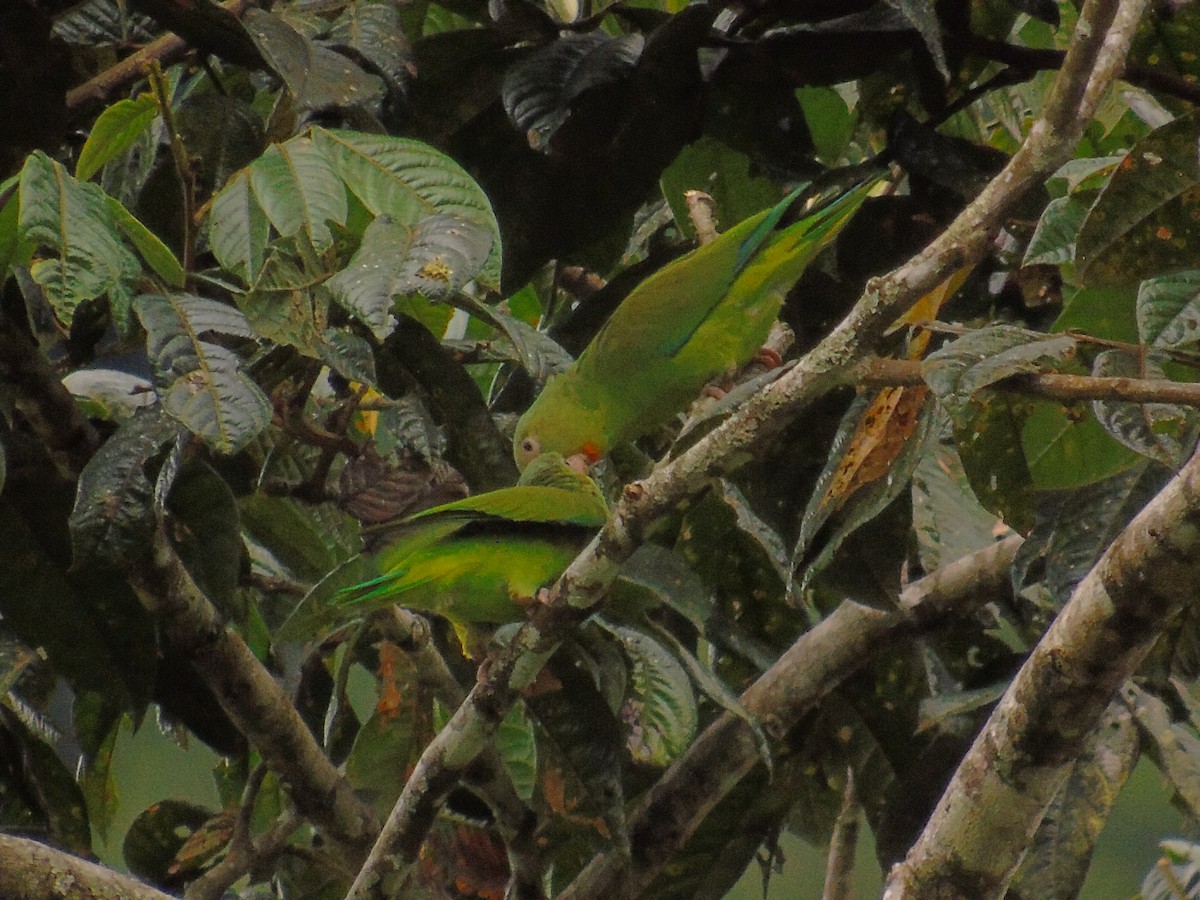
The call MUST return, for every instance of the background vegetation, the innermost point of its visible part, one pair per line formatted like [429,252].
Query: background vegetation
[274,274]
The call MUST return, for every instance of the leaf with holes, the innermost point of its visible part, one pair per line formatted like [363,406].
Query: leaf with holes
[206,388]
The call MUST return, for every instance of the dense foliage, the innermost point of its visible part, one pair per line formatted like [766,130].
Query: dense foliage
[295,275]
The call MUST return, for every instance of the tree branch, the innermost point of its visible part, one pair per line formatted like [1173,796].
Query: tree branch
[253,699]
[880,372]
[812,667]
[975,838]
[30,870]
[1088,69]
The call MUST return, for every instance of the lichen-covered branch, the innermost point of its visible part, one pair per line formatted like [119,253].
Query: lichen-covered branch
[813,666]
[976,836]
[253,700]
[33,871]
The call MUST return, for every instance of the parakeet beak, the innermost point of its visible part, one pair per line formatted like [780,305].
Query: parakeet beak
[580,463]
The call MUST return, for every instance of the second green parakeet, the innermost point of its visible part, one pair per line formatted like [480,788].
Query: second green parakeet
[698,318]
[482,558]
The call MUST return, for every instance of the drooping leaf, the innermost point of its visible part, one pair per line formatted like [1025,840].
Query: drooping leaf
[157,836]
[113,132]
[1061,850]
[948,520]
[1168,310]
[659,709]
[206,389]
[84,257]
[516,742]
[1174,746]
[375,32]
[113,517]
[1157,430]
[316,77]
[157,254]
[538,92]
[1145,222]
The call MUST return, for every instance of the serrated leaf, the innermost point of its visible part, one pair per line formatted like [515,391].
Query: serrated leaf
[408,181]
[114,132]
[983,357]
[1146,220]
[659,710]
[207,391]
[299,190]
[538,91]
[113,516]
[71,219]
[435,258]
[1158,430]
[1168,310]
[316,77]
[1053,241]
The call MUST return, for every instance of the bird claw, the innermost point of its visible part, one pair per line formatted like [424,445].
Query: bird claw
[768,357]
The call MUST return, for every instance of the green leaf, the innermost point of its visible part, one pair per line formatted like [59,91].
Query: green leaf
[830,121]
[1160,431]
[98,782]
[988,439]
[283,305]
[316,77]
[159,256]
[435,258]
[113,517]
[158,834]
[298,189]
[72,221]
[722,172]
[948,520]
[517,745]
[983,357]
[1060,852]
[207,391]
[539,90]
[375,32]
[307,540]
[659,709]
[1174,746]
[10,237]
[408,181]
[1145,222]
[114,132]
[205,519]
[1066,448]
[1053,241]
[1105,312]
[37,791]
[238,229]
[1168,310]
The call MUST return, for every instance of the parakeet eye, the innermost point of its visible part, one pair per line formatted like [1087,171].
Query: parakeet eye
[530,446]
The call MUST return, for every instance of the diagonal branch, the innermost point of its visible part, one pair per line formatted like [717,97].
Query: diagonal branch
[976,837]
[30,870]
[1092,61]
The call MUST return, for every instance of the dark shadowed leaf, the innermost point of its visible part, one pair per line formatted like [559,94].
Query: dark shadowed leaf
[157,835]
[1160,431]
[374,31]
[1174,746]
[538,91]
[1145,221]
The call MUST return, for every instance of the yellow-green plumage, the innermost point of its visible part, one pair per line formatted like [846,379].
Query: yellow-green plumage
[480,559]
[698,318]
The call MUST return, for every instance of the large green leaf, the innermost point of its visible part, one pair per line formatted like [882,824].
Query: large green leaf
[206,388]
[1168,310]
[408,180]
[435,258]
[1146,221]
[298,189]
[82,255]
[238,228]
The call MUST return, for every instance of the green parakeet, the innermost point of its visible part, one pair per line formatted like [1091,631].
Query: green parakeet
[480,559]
[700,317]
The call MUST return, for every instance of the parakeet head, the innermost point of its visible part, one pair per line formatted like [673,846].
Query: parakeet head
[574,436]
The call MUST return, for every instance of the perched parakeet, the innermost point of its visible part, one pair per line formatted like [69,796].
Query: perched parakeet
[700,317]
[480,559]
